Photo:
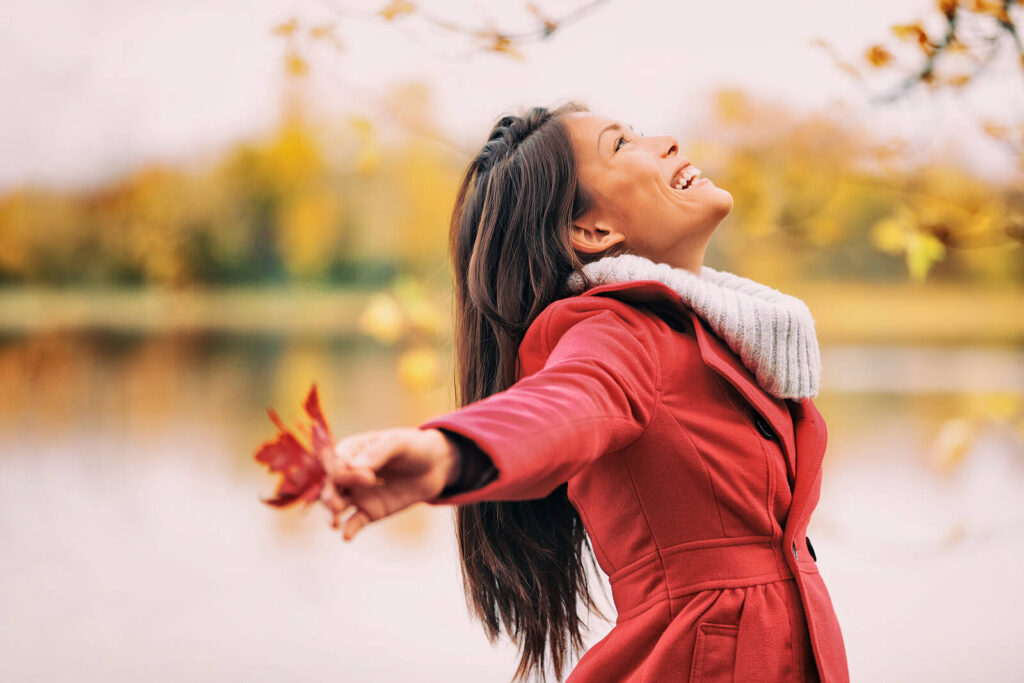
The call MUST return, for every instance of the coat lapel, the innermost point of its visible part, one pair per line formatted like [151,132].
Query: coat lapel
[667,303]
[720,357]
[812,438]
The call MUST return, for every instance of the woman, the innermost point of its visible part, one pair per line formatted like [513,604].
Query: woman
[616,391]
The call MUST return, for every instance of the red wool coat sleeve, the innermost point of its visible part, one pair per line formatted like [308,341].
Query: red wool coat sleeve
[589,383]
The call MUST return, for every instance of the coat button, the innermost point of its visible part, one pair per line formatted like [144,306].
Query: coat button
[764,428]
[811,548]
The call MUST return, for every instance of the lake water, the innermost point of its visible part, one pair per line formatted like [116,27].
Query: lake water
[134,545]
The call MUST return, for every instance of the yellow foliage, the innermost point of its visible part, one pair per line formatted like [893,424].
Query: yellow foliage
[382,318]
[900,233]
[295,64]
[504,45]
[309,228]
[396,8]
[419,368]
[293,158]
[427,187]
[368,159]
[1002,406]
[286,28]
[419,310]
[807,189]
[731,105]
[889,235]
[923,252]
[910,31]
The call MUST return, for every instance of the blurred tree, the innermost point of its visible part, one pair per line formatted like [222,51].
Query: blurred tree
[960,46]
[300,41]
[816,195]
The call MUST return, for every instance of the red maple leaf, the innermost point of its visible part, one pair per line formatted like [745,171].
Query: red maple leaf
[300,466]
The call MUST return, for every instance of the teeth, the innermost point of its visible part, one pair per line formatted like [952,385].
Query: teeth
[686,179]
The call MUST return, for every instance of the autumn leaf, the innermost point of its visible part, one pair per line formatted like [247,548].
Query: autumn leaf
[325,32]
[300,466]
[396,8]
[878,56]
[286,28]
[910,31]
[923,252]
[504,45]
[295,64]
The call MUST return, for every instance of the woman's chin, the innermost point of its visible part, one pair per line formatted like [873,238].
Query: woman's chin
[723,200]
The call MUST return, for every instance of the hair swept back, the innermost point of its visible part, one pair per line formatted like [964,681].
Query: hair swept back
[522,561]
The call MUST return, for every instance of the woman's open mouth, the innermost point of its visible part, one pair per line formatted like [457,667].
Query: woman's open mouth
[688,177]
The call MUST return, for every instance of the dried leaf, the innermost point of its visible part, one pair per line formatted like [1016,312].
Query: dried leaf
[300,466]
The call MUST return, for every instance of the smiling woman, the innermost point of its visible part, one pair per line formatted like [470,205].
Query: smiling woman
[615,391]
[632,179]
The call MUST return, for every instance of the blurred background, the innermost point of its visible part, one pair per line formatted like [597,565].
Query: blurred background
[206,207]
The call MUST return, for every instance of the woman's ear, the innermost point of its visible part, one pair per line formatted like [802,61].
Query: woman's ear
[591,236]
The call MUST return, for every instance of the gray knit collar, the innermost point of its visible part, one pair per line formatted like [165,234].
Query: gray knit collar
[771,332]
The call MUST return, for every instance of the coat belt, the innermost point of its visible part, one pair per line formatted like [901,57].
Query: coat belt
[696,566]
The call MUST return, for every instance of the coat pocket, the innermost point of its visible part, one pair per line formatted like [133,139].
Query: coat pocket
[714,654]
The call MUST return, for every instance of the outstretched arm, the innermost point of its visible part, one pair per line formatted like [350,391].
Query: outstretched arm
[595,392]
[590,384]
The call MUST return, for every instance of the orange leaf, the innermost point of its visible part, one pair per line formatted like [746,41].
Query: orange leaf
[878,56]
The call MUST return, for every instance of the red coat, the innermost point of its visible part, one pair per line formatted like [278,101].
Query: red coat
[695,487]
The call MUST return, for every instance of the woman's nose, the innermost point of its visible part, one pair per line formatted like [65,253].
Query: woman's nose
[669,144]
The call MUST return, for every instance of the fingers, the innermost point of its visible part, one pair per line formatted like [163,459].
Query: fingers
[335,502]
[343,475]
[357,521]
[354,470]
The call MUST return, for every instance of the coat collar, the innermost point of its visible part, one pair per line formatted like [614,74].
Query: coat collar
[808,428]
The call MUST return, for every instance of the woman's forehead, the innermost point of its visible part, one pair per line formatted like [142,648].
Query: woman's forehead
[585,129]
[589,124]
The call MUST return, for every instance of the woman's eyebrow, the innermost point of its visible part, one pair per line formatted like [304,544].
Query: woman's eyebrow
[613,126]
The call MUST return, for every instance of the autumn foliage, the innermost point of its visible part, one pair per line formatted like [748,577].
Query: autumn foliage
[300,465]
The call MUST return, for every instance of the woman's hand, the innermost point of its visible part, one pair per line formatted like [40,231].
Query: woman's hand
[383,471]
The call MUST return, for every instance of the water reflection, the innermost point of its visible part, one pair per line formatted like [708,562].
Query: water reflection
[135,544]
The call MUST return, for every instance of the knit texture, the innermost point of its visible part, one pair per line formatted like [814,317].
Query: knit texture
[771,332]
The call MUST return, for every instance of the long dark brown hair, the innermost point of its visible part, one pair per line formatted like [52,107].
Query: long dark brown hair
[522,561]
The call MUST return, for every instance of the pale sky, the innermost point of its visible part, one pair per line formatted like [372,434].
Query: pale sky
[93,88]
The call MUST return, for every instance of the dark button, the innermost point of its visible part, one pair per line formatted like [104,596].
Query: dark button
[795,553]
[810,548]
[764,427]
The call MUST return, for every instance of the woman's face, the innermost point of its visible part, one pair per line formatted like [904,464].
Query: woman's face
[630,178]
